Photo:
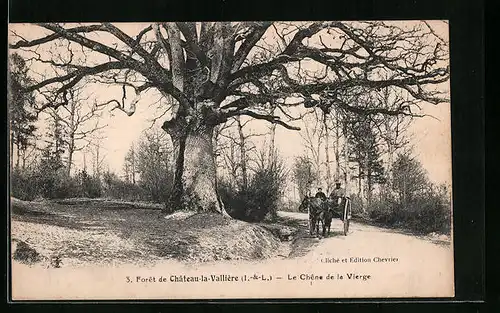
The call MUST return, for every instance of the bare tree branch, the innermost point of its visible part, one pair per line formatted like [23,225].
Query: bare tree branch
[271,119]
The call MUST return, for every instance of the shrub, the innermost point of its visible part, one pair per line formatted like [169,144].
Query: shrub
[24,185]
[56,184]
[356,205]
[432,212]
[427,212]
[260,199]
[159,190]
[89,186]
[114,187]
[411,201]
[63,186]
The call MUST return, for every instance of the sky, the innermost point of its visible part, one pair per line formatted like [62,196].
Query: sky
[431,136]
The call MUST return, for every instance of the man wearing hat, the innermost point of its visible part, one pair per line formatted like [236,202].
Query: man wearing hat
[337,196]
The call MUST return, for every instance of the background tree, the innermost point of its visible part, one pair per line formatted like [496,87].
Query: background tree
[303,175]
[79,121]
[98,157]
[21,113]
[327,152]
[409,178]
[51,163]
[55,143]
[220,145]
[231,163]
[216,71]
[237,146]
[364,151]
[130,165]
[243,153]
[269,180]
[392,130]
[153,160]
[414,203]
[314,138]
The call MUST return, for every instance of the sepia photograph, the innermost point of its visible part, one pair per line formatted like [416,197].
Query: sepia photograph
[230,160]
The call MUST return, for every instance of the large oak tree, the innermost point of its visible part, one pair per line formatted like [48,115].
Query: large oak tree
[215,71]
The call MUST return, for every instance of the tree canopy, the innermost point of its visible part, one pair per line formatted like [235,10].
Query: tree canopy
[208,72]
[234,63]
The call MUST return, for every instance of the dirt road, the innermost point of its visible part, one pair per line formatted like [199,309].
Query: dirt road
[364,240]
[389,262]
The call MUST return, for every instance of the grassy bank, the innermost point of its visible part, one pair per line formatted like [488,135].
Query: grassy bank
[83,231]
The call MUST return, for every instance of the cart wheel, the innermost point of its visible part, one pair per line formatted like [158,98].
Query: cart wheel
[346,226]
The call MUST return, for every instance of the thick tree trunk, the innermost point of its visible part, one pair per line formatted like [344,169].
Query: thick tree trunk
[195,179]
[199,171]
[175,201]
